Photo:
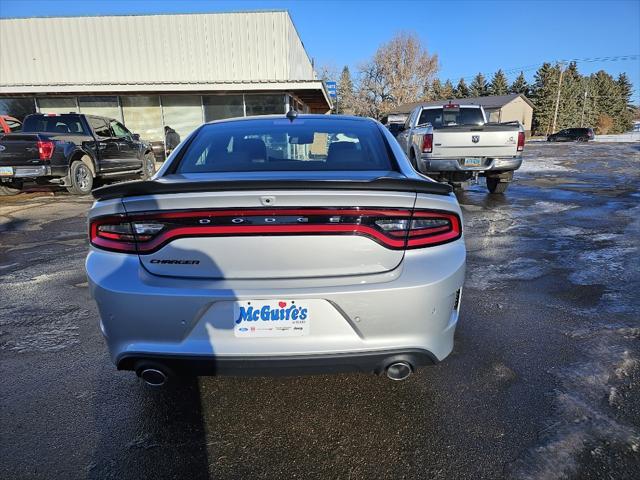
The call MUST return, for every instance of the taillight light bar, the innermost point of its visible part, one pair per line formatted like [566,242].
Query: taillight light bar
[396,229]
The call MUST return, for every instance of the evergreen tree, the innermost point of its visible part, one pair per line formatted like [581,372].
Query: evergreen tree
[520,85]
[345,92]
[461,90]
[479,87]
[543,93]
[603,94]
[571,94]
[436,90]
[624,117]
[498,85]
[447,90]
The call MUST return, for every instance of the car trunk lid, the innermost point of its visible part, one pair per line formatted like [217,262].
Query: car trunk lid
[269,233]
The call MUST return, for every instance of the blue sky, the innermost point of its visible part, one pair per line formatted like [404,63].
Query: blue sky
[468,36]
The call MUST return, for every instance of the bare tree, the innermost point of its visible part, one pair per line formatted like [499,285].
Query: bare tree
[397,74]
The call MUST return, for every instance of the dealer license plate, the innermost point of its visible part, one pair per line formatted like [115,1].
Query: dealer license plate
[472,162]
[6,171]
[271,318]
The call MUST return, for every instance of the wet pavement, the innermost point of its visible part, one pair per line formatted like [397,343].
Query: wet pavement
[543,382]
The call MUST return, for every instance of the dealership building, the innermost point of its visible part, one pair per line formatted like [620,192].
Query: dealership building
[155,70]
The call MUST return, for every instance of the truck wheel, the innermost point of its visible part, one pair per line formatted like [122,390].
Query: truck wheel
[414,163]
[494,185]
[6,190]
[81,179]
[148,166]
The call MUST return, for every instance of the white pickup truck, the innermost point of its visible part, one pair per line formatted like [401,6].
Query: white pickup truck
[454,144]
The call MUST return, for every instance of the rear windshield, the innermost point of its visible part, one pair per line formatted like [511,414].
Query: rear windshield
[449,117]
[308,144]
[53,124]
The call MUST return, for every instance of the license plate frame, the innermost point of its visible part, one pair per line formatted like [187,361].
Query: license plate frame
[271,318]
[472,162]
[6,172]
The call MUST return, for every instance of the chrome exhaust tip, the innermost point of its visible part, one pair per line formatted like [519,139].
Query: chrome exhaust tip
[399,371]
[153,377]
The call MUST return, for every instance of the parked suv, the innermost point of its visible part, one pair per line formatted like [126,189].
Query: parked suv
[71,150]
[572,135]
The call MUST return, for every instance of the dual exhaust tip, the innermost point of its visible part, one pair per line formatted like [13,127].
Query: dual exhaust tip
[157,377]
[154,377]
[398,371]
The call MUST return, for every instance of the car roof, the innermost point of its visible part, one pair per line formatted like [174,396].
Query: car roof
[306,116]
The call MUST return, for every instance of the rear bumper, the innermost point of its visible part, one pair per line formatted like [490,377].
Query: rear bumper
[29,172]
[357,321]
[365,362]
[429,165]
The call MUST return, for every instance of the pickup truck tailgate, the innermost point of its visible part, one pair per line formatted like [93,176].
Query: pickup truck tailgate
[488,141]
[18,150]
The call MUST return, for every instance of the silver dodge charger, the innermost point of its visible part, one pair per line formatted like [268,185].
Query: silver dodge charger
[278,244]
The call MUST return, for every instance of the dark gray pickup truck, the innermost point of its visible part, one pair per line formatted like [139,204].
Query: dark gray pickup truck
[71,150]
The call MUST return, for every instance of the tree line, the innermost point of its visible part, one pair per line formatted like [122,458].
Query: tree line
[403,71]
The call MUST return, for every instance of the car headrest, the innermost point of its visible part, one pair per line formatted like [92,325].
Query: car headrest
[62,128]
[251,149]
[343,152]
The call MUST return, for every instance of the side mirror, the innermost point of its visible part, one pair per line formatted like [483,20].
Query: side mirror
[136,137]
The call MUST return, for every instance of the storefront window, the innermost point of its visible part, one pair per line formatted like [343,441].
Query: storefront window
[142,116]
[264,104]
[17,107]
[183,113]
[57,105]
[101,106]
[217,107]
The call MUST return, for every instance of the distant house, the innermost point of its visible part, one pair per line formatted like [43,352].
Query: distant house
[499,108]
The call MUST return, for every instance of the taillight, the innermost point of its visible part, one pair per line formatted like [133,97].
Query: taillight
[395,229]
[45,149]
[427,143]
[520,141]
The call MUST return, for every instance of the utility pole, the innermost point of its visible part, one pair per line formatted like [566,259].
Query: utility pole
[555,114]
[584,104]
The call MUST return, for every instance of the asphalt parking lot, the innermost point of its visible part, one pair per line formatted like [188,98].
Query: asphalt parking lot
[543,382]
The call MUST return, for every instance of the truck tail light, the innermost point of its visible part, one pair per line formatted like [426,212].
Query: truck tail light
[45,149]
[427,143]
[396,229]
[520,141]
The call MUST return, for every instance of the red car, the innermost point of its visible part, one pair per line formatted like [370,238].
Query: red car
[9,124]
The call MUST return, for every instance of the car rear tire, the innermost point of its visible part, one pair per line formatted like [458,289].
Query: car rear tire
[6,191]
[81,179]
[583,139]
[148,166]
[494,185]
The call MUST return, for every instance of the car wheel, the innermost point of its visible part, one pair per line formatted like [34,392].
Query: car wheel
[6,190]
[582,139]
[148,166]
[494,185]
[81,179]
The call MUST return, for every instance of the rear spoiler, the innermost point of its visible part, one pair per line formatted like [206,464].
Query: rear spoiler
[155,187]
